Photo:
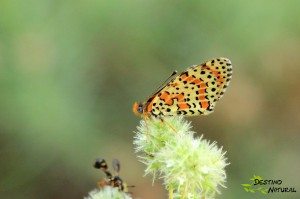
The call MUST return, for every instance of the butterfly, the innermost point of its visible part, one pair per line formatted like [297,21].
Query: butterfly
[192,92]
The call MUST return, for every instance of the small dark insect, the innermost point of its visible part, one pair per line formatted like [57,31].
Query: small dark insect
[111,180]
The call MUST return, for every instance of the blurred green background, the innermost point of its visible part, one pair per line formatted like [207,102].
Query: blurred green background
[71,70]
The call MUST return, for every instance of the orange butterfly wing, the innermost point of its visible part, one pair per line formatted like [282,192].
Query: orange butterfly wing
[194,91]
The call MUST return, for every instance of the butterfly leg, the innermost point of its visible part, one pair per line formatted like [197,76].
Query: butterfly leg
[164,121]
[147,134]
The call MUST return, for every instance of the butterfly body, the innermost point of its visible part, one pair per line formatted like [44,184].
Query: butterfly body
[192,92]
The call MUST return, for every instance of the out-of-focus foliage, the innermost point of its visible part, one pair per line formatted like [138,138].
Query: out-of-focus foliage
[71,70]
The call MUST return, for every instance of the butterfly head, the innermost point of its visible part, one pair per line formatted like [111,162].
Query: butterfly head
[138,108]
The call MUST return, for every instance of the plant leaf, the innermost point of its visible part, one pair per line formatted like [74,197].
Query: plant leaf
[246,185]
[259,178]
[263,192]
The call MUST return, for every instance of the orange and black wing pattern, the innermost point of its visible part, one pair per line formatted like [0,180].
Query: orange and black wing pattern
[194,91]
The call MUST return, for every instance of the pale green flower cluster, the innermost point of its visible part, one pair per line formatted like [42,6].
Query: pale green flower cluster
[107,192]
[190,167]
